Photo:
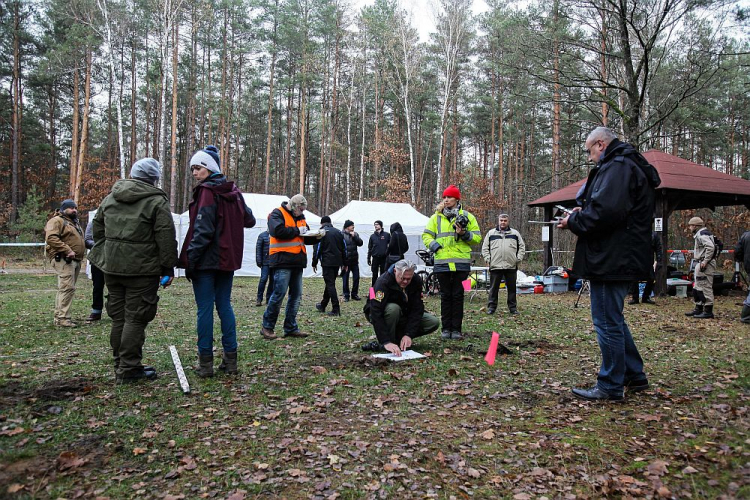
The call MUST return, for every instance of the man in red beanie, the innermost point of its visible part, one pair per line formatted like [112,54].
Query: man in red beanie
[450,234]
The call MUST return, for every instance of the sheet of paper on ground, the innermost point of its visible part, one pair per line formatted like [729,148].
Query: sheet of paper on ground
[405,355]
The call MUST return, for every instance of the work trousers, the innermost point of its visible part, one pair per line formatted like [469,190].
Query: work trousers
[67,276]
[704,285]
[330,294]
[496,276]
[452,299]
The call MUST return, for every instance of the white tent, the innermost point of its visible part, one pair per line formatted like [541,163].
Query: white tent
[365,213]
[262,205]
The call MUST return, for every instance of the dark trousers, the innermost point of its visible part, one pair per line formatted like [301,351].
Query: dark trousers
[650,283]
[354,270]
[452,299]
[266,276]
[330,293]
[496,276]
[131,303]
[97,277]
[377,268]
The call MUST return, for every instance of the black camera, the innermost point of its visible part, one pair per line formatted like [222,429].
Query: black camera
[60,256]
[461,222]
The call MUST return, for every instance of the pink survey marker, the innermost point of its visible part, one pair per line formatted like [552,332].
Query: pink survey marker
[492,351]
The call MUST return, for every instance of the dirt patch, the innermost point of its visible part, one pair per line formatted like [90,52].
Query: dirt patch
[534,344]
[361,361]
[55,390]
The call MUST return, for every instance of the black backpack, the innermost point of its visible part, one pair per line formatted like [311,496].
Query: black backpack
[718,247]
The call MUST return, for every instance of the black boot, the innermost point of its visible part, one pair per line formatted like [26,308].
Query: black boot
[745,317]
[698,310]
[335,312]
[708,313]
[205,366]
[229,363]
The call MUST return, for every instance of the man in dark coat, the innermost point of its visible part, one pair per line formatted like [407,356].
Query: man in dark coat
[613,249]
[377,250]
[352,241]
[262,260]
[397,312]
[331,253]
[742,254]
[136,248]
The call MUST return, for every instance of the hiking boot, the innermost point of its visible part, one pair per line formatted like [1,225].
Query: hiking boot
[267,333]
[94,317]
[320,307]
[346,299]
[491,310]
[745,316]
[647,300]
[258,303]
[698,310]
[65,322]
[205,366]
[147,375]
[229,363]
[446,334]
[708,313]
[296,334]
[336,312]
[356,297]
[633,302]
[456,335]
[514,311]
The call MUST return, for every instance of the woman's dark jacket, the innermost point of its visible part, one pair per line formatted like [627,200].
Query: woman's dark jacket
[398,245]
[331,249]
[614,224]
[216,238]
[352,241]
[261,249]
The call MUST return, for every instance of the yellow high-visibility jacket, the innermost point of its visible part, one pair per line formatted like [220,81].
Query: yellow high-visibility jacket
[451,253]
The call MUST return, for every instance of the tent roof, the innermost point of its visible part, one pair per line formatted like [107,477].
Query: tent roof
[263,204]
[687,185]
[367,212]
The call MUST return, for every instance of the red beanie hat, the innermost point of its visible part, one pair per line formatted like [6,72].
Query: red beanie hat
[452,191]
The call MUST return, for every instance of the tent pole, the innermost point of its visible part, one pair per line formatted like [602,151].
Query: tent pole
[548,245]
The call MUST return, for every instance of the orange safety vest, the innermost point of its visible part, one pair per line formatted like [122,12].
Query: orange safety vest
[295,245]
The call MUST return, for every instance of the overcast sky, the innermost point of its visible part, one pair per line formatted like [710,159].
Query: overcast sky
[423,13]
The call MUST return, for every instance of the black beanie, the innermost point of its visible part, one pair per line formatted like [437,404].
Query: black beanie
[380,222]
[67,204]
[348,223]
[325,220]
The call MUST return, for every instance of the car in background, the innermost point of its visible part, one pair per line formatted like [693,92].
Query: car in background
[677,260]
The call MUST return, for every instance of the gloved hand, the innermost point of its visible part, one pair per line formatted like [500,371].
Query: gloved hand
[315,268]
[189,275]
[303,230]
[369,261]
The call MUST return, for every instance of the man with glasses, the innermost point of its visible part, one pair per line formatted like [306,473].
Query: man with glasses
[613,226]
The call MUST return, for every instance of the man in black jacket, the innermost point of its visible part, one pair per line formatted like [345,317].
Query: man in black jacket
[397,312]
[331,252]
[742,254]
[377,251]
[352,241]
[614,248]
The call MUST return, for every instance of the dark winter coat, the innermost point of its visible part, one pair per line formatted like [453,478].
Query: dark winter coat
[398,245]
[614,224]
[134,231]
[352,241]
[262,257]
[742,250]
[331,249]
[215,239]
[410,300]
[378,244]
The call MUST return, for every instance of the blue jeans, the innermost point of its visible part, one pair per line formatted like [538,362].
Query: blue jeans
[354,270]
[214,287]
[621,362]
[265,277]
[283,279]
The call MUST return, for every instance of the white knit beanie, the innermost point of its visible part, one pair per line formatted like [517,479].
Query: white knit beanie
[208,157]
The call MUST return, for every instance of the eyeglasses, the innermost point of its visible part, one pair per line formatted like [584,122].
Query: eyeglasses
[588,150]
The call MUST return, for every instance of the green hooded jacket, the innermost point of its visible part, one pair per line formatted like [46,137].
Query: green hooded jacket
[133,232]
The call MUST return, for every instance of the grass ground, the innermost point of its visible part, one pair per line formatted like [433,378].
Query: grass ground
[318,418]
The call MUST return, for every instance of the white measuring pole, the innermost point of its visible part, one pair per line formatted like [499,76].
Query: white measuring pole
[180,372]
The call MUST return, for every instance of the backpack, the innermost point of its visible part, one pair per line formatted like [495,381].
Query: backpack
[718,247]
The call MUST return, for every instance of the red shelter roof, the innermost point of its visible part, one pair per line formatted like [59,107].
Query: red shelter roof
[686,185]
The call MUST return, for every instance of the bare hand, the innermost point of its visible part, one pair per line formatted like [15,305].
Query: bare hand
[405,342]
[315,269]
[563,224]
[71,254]
[393,349]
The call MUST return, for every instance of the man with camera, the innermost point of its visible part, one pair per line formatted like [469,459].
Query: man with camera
[450,233]
[503,249]
[65,248]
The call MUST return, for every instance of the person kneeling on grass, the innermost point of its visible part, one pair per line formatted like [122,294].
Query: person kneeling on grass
[397,312]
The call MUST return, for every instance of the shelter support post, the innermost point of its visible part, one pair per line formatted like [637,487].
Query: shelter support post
[548,245]
[662,211]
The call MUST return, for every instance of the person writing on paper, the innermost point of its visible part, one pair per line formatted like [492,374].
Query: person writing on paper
[397,311]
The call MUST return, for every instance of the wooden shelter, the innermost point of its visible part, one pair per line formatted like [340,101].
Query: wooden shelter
[684,186]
